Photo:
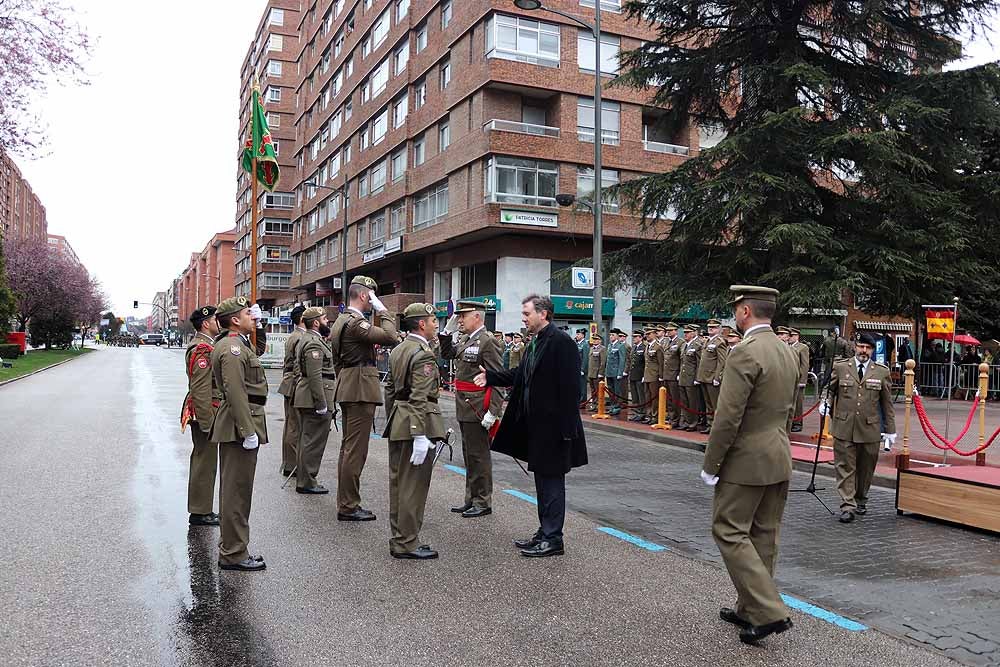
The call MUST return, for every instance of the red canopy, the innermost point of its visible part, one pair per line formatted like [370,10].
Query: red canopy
[966,339]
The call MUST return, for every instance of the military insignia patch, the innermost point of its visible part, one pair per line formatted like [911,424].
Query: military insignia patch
[235,349]
[315,354]
[429,370]
[202,363]
[365,325]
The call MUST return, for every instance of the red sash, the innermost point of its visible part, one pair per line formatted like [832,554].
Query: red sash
[461,385]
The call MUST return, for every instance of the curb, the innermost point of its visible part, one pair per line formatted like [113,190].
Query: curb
[40,370]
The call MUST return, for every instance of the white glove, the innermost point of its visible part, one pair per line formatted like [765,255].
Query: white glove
[420,447]
[710,480]
[251,441]
[715,383]
[323,411]
[696,382]
[802,385]
[257,314]
[824,409]
[678,378]
[489,419]
[451,326]
[891,438]
[376,302]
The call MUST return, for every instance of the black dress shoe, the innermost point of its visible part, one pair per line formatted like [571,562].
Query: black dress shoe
[251,564]
[755,633]
[358,514]
[730,616]
[475,511]
[210,519]
[528,543]
[423,552]
[862,509]
[846,517]
[544,548]
[796,428]
[316,490]
[688,428]
[462,508]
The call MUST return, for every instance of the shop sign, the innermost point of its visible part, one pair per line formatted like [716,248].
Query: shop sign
[393,245]
[582,305]
[511,217]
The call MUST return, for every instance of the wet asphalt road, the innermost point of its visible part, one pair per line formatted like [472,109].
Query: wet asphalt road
[101,567]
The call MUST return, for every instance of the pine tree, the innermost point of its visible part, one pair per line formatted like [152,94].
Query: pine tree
[850,161]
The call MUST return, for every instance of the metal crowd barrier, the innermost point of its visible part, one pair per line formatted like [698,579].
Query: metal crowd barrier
[935,380]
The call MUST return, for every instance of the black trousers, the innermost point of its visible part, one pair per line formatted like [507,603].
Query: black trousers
[551,494]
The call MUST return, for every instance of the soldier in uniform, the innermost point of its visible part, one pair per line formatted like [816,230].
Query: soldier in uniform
[313,398]
[508,341]
[802,350]
[651,374]
[290,378]
[637,376]
[357,387]
[782,334]
[749,463]
[834,347]
[687,378]
[240,427]
[858,396]
[198,410]
[733,339]
[516,350]
[671,370]
[598,358]
[614,370]
[582,349]
[710,365]
[476,409]
[413,423]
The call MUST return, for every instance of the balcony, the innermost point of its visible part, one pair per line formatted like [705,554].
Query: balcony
[499,125]
[660,147]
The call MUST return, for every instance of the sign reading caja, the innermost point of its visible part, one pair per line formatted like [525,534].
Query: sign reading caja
[512,217]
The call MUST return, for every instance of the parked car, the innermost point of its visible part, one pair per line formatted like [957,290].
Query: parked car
[152,339]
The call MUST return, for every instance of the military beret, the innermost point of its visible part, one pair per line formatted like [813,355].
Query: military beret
[781,330]
[755,292]
[366,281]
[694,328]
[313,313]
[866,339]
[469,306]
[232,305]
[793,331]
[200,315]
[713,323]
[418,310]
[297,312]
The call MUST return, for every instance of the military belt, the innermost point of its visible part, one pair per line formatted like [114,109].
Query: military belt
[363,363]
[257,400]
[329,376]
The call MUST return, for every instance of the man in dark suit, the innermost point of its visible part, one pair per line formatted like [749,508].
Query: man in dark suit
[542,424]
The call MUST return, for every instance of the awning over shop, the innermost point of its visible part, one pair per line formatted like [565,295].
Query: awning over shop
[882,326]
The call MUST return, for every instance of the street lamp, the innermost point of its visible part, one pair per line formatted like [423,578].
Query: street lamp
[343,234]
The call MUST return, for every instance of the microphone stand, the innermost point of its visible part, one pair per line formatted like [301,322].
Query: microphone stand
[811,488]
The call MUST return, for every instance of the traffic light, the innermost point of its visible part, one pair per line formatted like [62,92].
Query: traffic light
[135,305]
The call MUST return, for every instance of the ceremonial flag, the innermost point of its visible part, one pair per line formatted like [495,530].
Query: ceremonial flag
[940,322]
[259,145]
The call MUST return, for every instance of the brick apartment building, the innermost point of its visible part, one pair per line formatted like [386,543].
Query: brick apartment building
[22,215]
[208,278]
[62,245]
[452,125]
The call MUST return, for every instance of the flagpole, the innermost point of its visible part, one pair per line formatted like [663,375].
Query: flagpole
[253,212]
[951,370]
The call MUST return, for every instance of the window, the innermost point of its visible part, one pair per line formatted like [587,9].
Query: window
[515,38]
[421,37]
[362,235]
[445,73]
[585,187]
[273,120]
[272,280]
[277,16]
[376,228]
[274,67]
[445,14]
[419,93]
[478,279]
[521,181]
[419,150]
[380,126]
[397,220]
[400,57]
[430,206]
[363,138]
[334,167]
[378,80]
[398,161]
[377,35]
[444,136]
[402,7]
[363,185]
[273,94]
[321,254]
[279,200]
[610,119]
[586,52]
[275,226]
[275,42]
[399,110]
[378,177]
[276,253]
[606,5]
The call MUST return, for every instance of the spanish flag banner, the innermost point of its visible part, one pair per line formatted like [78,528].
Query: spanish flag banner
[940,322]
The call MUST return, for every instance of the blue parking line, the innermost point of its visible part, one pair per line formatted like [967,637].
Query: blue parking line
[632,539]
[823,614]
[460,471]
[522,496]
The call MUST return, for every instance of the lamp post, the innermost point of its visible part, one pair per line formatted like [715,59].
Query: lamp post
[343,190]
[595,30]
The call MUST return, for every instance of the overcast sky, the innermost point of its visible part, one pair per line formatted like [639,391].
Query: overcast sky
[140,170]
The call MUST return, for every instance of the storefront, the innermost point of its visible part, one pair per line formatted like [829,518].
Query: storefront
[492,303]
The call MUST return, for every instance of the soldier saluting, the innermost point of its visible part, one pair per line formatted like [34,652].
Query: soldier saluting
[240,427]
[290,378]
[357,387]
[413,423]
[199,410]
[313,398]
[477,408]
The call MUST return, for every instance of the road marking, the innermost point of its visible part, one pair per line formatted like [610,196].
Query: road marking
[632,539]
[823,614]
[522,496]
[460,471]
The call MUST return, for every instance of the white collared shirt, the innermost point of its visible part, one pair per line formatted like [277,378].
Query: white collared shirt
[757,327]
[862,366]
[476,331]
[416,335]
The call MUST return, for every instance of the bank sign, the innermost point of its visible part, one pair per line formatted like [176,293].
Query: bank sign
[582,305]
[511,217]
[491,302]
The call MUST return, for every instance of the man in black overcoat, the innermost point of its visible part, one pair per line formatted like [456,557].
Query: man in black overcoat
[542,423]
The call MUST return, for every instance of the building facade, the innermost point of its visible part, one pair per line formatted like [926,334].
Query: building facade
[22,215]
[209,276]
[62,245]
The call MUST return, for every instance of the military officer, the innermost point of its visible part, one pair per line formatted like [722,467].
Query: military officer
[687,377]
[508,341]
[834,347]
[357,389]
[802,350]
[598,359]
[517,350]
[637,377]
[858,396]
[476,409]
[582,350]
[413,424]
[240,427]
[313,398]
[198,410]
[749,463]
[615,369]
[733,338]
[710,365]
[289,379]
[782,334]
[651,374]
[671,370]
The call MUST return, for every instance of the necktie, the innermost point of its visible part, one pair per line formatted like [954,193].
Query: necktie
[861,372]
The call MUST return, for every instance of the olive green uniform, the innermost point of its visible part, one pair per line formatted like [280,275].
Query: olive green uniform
[358,391]
[471,352]
[411,402]
[516,353]
[289,378]
[670,371]
[595,371]
[239,376]
[636,380]
[857,409]
[202,400]
[651,378]
[709,375]
[748,450]
[690,393]
[314,391]
[802,352]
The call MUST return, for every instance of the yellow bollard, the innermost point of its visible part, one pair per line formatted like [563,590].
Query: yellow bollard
[984,387]
[601,400]
[903,459]
[661,412]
